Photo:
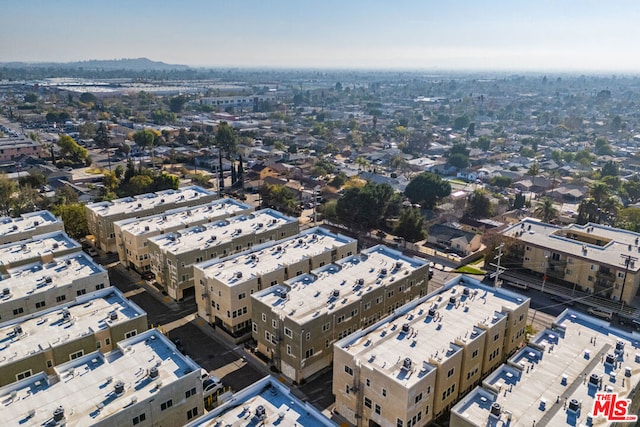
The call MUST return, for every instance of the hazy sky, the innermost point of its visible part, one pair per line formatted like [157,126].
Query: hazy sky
[570,35]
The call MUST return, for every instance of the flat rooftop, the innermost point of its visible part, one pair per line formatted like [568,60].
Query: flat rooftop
[613,242]
[183,216]
[26,222]
[32,279]
[424,331]
[271,256]
[328,288]
[47,329]
[85,387]
[35,247]
[223,231]
[558,367]
[145,202]
[267,397]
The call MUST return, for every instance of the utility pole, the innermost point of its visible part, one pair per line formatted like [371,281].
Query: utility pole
[628,260]
[499,269]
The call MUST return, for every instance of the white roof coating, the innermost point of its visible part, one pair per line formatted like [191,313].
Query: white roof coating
[26,221]
[35,247]
[329,287]
[540,381]
[425,330]
[614,242]
[85,387]
[182,216]
[271,256]
[267,396]
[225,230]
[32,279]
[58,326]
[145,202]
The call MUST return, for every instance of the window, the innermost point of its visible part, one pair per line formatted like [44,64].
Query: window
[18,310]
[107,341]
[40,304]
[326,327]
[367,402]
[594,267]
[98,344]
[81,292]
[367,305]
[165,405]
[274,323]
[308,353]
[399,423]
[61,298]
[254,327]
[23,375]
[308,337]
[267,335]
[348,370]
[185,277]
[288,349]
[76,355]
[340,319]
[474,354]
[620,275]
[264,317]
[131,334]
[378,409]
[243,295]
[140,418]
[418,398]
[496,337]
[354,312]
[450,373]
[590,278]
[288,332]
[191,413]
[368,382]
[190,393]
[100,286]
[49,363]
[378,300]
[384,392]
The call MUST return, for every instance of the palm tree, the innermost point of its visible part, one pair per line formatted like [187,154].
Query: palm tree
[545,210]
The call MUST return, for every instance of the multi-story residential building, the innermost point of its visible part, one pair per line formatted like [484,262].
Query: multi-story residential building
[411,367]
[296,323]
[35,287]
[28,225]
[13,147]
[132,234]
[266,402]
[144,382]
[102,215]
[42,248]
[592,258]
[248,101]
[45,339]
[555,379]
[174,254]
[224,286]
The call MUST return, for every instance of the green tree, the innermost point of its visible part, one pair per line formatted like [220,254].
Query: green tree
[31,97]
[483,143]
[338,180]
[70,149]
[427,189]
[461,122]
[629,219]
[501,181]
[602,146]
[280,198]
[632,189]
[86,130]
[74,218]
[365,207]
[8,189]
[458,156]
[519,201]
[140,184]
[410,225]
[479,205]
[610,169]
[88,98]
[102,137]
[176,104]
[226,139]
[546,211]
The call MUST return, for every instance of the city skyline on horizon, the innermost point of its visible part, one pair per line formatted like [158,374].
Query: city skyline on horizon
[573,36]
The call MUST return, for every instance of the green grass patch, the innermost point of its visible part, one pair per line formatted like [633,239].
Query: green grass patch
[467,269]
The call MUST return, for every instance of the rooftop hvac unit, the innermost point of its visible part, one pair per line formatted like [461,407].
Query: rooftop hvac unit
[452,300]
[58,414]
[398,264]
[239,274]
[6,291]
[65,313]
[574,405]
[383,272]
[466,291]
[55,246]
[283,293]
[261,412]
[274,221]
[594,379]
[118,387]
[161,200]
[496,409]
[335,293]
[146,228]
[432,312]
[405,328]
[610,359]
[406,364]
[279,248]
[620,346]
[153,372]
[17,330]
[113,315]
[139,205]
[48,279]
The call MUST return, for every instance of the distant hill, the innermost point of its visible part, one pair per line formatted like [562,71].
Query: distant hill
[133,64]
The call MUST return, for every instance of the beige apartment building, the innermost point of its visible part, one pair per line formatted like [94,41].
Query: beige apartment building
[101,216]
[144,382]
[95,321]
[132,234]
[40,285]
[42,248]
[296,323]
[592,258]
[224,286]
[28,225]
[12,148]
[554,379]
[173,255]
[411,367]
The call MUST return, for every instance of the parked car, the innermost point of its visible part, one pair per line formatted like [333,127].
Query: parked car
[211,385]
[148,275]
[601,312]
[91,251]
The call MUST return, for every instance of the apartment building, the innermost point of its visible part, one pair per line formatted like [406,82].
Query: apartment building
[224,286]
[555,379]
[35,287]
[145,381]
[28,225]
[174,254]
[296,323]
[411,367]
[12,148]
[132,234]
[95,321]
[266,402]
[43,248]
[592,258]
[102,215]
